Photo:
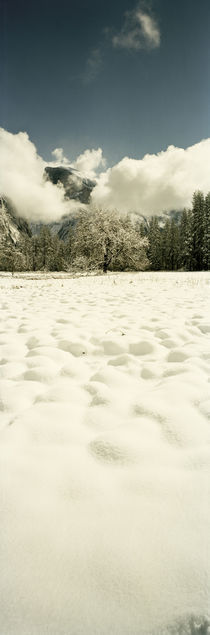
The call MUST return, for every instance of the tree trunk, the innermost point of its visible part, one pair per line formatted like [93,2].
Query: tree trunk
[105,263]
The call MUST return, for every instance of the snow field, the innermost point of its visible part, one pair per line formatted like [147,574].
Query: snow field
[105,455]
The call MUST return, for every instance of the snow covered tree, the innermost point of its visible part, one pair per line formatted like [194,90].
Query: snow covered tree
[11,257]
[132,255]
[106,240]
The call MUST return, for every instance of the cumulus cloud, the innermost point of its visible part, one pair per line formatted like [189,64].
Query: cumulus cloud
[59,158]
[21,180]
[89,162]
[139,31]
[156,183]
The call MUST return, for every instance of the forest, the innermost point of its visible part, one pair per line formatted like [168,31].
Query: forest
[104,240]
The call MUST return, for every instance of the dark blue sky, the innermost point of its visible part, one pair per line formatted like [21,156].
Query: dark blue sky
[127,101]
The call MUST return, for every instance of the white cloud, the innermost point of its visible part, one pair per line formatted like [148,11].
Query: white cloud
[155,183]
[89,162]
[139,31]
[151,185]
[21,180]
[59,158]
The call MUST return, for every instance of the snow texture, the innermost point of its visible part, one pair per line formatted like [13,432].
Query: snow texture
[105,454]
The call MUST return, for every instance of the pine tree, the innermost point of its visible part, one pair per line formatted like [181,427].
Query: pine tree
[154,249]
[186,241]
[174,246]
[206,235]
[166,246]
[198,230]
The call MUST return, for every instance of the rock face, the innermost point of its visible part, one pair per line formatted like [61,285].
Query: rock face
[76,187]
[12,227]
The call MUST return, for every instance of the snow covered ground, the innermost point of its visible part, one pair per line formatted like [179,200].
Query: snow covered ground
[105,454]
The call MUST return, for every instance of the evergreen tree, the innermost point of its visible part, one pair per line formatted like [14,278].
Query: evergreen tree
[186,241]
[174,246]
[166,246]
[154,249]
[206,234]
[198,210]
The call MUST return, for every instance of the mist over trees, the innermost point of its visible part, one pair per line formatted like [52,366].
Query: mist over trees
[104,240]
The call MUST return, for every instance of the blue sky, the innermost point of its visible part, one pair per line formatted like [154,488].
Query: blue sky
[89,74]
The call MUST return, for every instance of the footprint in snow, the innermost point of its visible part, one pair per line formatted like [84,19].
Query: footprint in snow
[75,348]
[204,328]
[177,356]
[106,452]
[143,347]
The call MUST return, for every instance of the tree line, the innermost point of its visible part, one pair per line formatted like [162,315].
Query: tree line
[102,240]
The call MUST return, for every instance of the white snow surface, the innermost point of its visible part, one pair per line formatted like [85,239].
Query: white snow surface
[105,454]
